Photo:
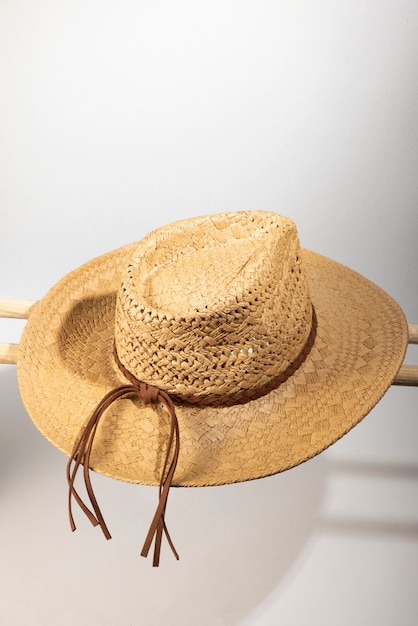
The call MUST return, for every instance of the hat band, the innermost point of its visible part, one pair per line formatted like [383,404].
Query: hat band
[148,394]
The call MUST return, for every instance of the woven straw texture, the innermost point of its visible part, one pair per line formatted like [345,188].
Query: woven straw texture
[212,305]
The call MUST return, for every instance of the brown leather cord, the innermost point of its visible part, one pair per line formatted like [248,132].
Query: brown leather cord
[81,455]
[148,394]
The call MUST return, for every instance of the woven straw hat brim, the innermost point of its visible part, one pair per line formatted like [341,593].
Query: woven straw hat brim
[66,366]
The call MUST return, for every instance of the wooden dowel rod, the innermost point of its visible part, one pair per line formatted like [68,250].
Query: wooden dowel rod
[413,333]
[18,309]
[407,375]
[8,353]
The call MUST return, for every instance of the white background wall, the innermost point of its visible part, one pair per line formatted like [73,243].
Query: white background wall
[118,117]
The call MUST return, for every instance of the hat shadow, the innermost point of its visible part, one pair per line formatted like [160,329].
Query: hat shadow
[85,340]
[250,534]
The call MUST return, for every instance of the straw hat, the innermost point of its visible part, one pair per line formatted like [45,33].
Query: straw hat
[266,353]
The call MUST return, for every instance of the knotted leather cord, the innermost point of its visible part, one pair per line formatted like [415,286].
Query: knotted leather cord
[148,393]
[82,451]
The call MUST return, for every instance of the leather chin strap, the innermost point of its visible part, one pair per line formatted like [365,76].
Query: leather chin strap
[149,394]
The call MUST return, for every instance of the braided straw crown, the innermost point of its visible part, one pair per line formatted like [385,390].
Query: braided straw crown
[214,306]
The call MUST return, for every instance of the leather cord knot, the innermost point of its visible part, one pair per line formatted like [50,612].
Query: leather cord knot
[148,393]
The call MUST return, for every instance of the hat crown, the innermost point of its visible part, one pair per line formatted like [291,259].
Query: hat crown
[215,304]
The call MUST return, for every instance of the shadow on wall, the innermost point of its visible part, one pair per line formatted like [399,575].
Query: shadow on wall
[247,539]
